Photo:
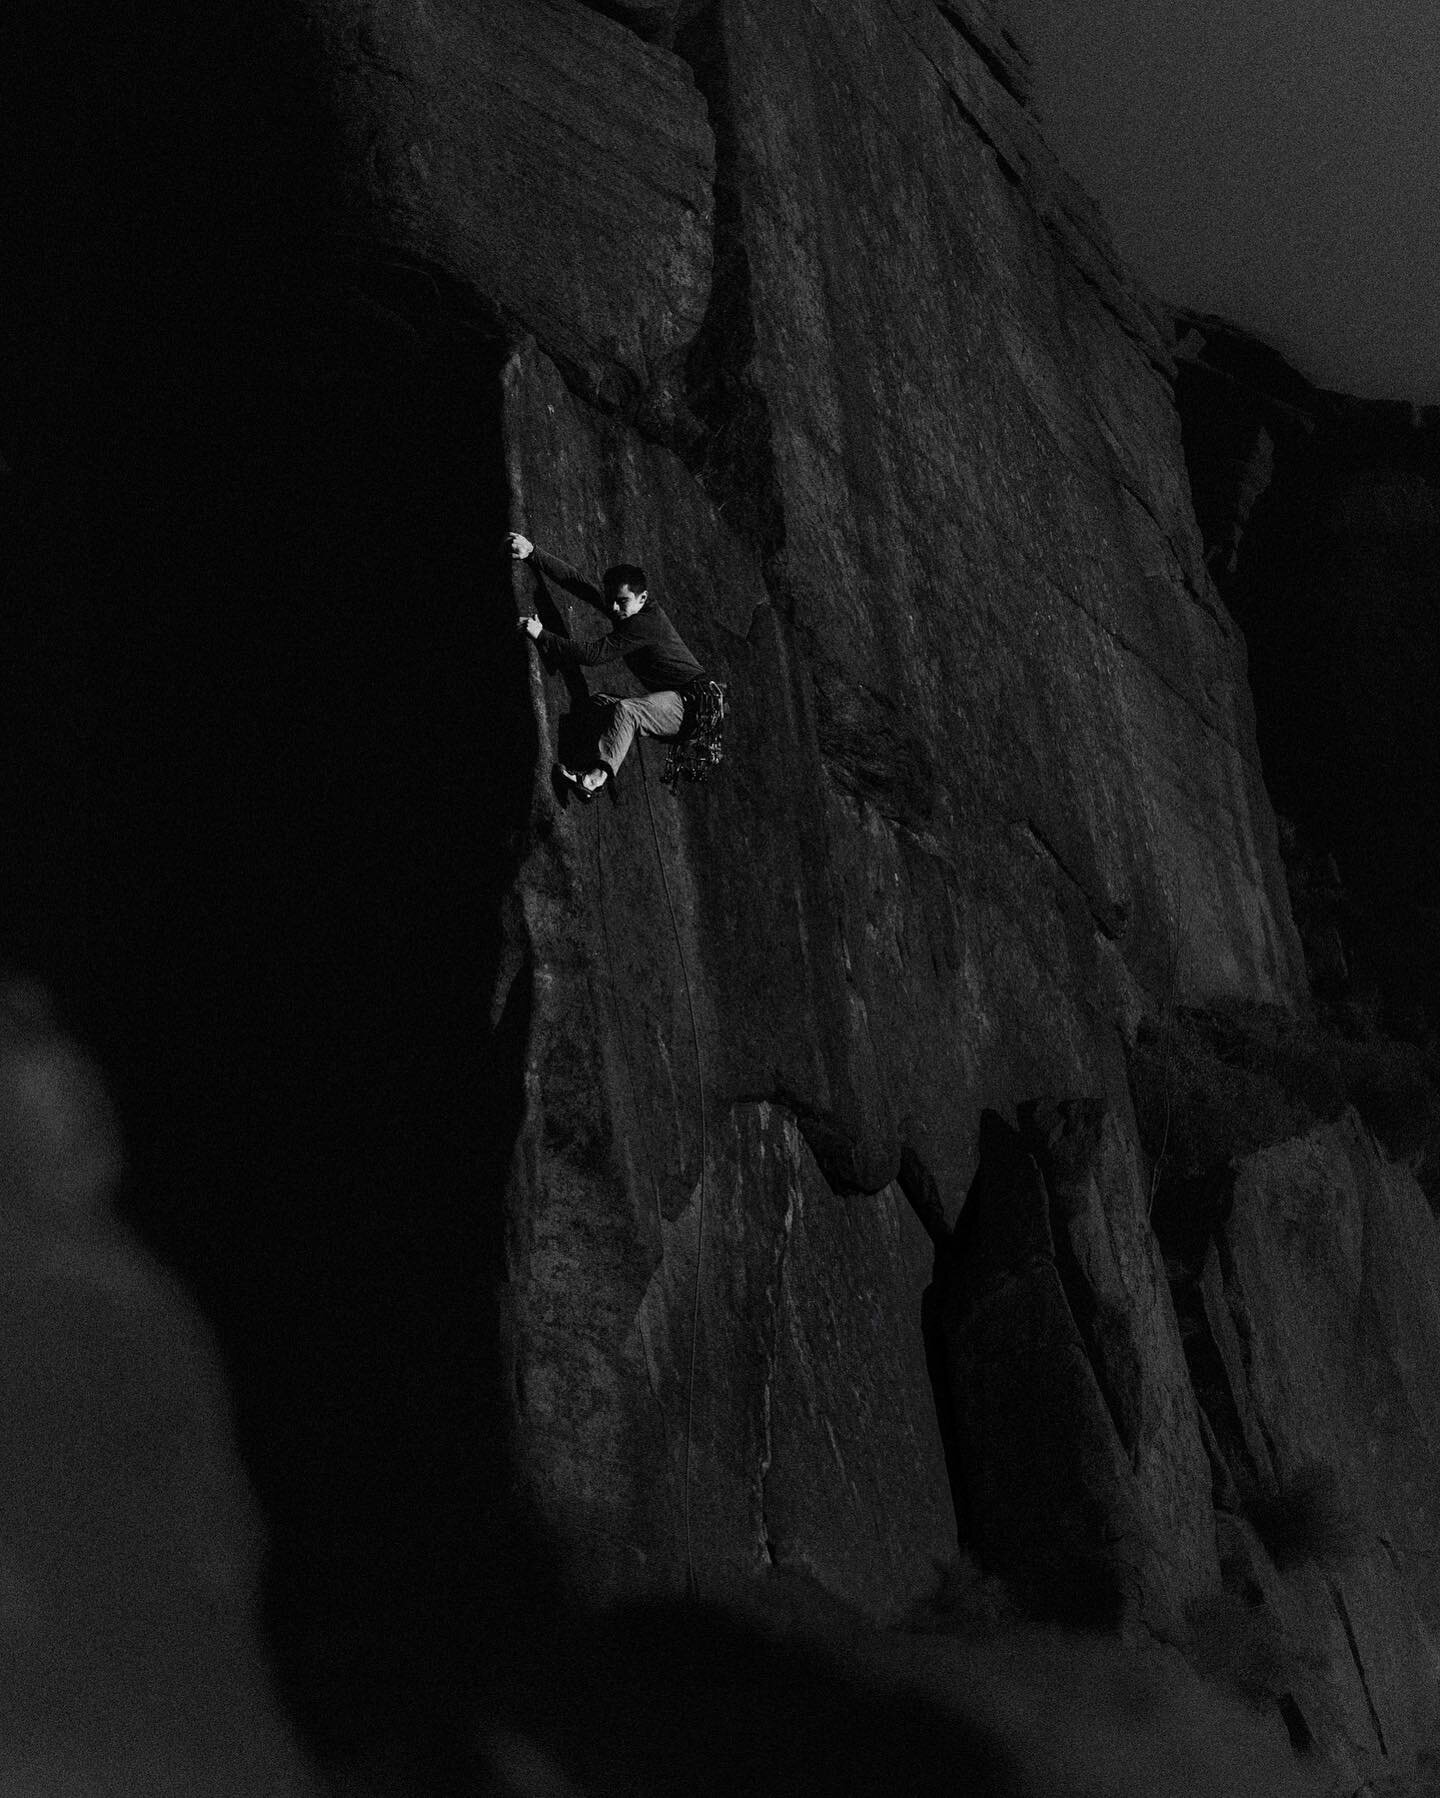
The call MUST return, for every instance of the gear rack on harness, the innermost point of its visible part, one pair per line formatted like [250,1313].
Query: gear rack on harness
[700,747]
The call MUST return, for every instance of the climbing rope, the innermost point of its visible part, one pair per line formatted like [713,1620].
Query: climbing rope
[692,1585]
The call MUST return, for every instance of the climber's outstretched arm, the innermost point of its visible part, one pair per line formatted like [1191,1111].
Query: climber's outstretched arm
[561,573]
[585,652]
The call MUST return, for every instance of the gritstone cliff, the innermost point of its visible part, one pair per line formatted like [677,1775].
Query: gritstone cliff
[1321,516]
[599,1175]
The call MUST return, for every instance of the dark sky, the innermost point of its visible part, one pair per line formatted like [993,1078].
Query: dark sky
[1277,161]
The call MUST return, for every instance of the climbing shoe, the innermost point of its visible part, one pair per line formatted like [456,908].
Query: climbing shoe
[587,782]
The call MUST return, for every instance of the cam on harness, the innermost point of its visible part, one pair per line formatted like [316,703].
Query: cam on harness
[699,746]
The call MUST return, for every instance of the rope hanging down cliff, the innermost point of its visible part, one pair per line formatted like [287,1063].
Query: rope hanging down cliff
[683,706]
[691,1583]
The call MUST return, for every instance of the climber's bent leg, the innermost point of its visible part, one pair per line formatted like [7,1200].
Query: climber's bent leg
[656,715]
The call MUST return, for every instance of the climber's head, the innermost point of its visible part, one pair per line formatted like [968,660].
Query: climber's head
[625,589]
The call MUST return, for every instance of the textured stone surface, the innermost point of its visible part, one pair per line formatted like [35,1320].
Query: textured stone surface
[814,1440]
[1324,1307]
[448,1090]
[653,20]
[500,143]
[983,26]
[1333,582]
[920,595]
[1083,1469]
[990,766]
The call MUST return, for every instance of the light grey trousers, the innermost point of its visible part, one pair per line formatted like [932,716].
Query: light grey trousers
[656,715]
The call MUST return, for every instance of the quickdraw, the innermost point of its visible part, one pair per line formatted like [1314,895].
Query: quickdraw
[699,746]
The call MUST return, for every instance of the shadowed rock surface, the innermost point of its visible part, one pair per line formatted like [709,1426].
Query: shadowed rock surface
[1322,1300]
[580,1192]
[1328,558]
[990,763]
[1055,1310]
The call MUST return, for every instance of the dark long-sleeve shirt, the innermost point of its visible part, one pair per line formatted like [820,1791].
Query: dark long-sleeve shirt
[648,644]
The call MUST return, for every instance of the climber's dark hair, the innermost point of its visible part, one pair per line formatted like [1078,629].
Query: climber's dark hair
[624,574]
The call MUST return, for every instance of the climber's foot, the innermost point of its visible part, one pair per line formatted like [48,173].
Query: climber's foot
[587,782]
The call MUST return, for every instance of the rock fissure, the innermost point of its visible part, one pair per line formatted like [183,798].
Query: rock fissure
[651,21]
[984,56]
[1211,606]
[1342,1610]
[849,1164]
[1007,74]
[1210,1382]
[773,1339]
[1109,916]
[1087,1312]
[1201,598]
[1002,162]
[1065,1138]
[1233,1290]
[1297,1727]
[1015,177]
[922,1194]
[1121,641]
[1267,1435]
[734,461]
[1144,339]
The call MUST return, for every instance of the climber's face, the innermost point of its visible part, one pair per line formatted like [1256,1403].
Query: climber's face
[626,602]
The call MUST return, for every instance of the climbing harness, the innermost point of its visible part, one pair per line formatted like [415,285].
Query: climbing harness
[699,746]
[692,1585]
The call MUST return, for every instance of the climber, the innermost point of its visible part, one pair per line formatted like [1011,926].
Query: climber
[642,636]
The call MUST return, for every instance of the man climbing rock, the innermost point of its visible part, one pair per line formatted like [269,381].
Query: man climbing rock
[642,636]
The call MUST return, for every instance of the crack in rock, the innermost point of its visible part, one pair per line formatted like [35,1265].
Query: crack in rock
[772,1356]
[1343,1612]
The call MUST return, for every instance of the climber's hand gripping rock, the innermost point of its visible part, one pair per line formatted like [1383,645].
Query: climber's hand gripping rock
[520,549]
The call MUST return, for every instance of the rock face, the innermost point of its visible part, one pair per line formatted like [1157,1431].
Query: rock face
[499,144]
[1310,1332]
[1056,1311]
[576,1188]
[1333,581]
[989,765]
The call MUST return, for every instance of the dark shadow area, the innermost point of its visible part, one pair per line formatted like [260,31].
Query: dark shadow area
[932,1335]
[652,20]
[687,1699]
[1064,1138]
[274,749]
[1030,1447]
[731,454]
[1321,520]
[922,1194]
[309,769]
[1336,591]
